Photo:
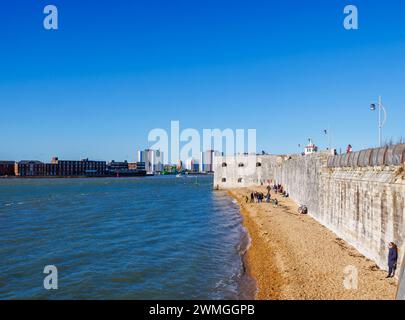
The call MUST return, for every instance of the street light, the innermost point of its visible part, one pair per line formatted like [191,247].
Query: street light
[381,124]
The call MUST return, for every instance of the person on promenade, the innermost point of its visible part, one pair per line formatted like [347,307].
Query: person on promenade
[392,259]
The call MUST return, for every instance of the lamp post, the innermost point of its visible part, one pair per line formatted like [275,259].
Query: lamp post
[380,123]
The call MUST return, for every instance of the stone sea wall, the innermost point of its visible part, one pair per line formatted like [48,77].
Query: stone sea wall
[359,196]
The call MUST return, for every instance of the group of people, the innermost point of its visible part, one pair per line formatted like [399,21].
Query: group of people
[278,188]
[259,197]
[256,197]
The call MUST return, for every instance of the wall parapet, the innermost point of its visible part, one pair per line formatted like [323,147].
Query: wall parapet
[386,156]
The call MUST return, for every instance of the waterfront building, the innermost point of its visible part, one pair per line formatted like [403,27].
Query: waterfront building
[136,166]
[7,168]
[29,168]
[158,164]
[190,164]
[153,160]
[84,167]
[126,169]
[207,160]
[50,170]
[114,166]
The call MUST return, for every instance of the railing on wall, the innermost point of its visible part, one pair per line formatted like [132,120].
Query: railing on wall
[386,156]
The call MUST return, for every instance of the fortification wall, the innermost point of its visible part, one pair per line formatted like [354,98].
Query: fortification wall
[301,178]
[359,196]
[244,170]
[365,207]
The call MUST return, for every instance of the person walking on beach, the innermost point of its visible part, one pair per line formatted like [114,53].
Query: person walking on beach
[252,198]
[392,259]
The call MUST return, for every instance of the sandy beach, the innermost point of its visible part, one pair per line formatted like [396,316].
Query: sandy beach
[292,256]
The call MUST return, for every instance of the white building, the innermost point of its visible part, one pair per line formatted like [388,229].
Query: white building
[153,160]
[190,164]
[310,148]
[158,163]
[207,160]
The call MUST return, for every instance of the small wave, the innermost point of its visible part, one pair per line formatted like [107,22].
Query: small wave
[9,204]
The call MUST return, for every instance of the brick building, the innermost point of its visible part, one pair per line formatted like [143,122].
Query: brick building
[29,168]
[116,166]
[84,167]
[7,168]
[136,166]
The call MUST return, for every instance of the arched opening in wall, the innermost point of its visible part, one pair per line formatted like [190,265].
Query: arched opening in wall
[258,164]
[240,180]
[241,165]
[224,164]
[223,180]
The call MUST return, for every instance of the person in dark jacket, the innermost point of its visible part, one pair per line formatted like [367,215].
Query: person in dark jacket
[392,259]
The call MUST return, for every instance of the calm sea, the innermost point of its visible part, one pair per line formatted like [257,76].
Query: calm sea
[127,238]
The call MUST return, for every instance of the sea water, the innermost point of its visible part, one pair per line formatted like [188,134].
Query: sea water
[121,238]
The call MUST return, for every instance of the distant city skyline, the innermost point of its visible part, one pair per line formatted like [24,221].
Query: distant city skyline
[114,71]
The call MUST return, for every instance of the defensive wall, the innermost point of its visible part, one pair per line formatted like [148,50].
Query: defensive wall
[359,196]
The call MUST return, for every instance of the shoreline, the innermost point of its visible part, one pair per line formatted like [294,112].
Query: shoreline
[294,257]
[248,284]
[69,177]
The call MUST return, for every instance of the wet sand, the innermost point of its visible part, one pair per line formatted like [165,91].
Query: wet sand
[292,256]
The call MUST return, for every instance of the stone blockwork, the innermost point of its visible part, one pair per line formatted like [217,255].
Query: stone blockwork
[244,170]
[364,205]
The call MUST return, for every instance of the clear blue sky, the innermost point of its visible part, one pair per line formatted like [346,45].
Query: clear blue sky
[116,69]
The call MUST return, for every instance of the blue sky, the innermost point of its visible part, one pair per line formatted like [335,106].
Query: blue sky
[117,69]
